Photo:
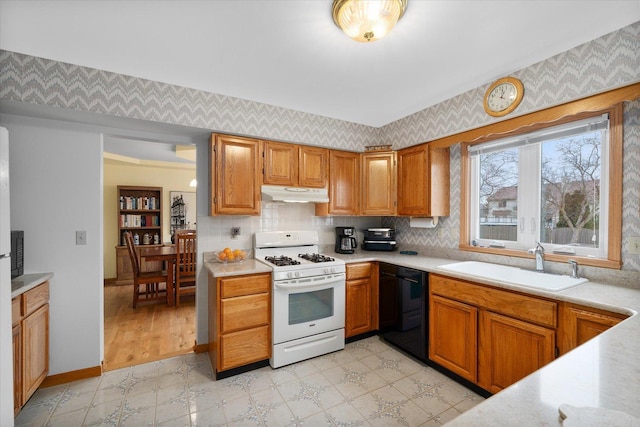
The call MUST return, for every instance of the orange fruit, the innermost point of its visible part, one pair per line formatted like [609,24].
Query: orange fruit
[231,257]
[222,256]
[227,250]
[237,252]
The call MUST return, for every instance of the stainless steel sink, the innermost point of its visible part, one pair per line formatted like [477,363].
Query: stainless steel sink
[513,275]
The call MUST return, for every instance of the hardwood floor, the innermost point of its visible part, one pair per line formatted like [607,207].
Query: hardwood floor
[148,333]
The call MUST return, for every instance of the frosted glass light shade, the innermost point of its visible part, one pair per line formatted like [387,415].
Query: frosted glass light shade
[367,20]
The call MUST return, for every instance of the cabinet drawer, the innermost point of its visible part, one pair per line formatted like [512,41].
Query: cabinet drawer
[244,347]
[34,298]
[244,312]
[522,307]
[244,285]
[358,271]
[16,314]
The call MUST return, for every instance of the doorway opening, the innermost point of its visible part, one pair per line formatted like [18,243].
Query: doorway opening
[166,173]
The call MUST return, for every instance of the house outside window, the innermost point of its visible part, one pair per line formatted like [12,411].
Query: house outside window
[548,186]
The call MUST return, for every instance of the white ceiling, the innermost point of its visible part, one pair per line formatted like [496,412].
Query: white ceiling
[290,53]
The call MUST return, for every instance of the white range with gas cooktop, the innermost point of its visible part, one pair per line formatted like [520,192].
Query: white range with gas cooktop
[308,306]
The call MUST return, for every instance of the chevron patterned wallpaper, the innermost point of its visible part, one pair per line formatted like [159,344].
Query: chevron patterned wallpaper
[35,80]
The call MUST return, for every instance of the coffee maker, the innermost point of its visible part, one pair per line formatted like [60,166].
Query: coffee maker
[346,241]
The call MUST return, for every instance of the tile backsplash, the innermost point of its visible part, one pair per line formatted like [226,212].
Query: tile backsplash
[215,232]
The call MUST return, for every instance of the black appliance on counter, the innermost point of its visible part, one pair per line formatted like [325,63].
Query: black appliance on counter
[346,242]
[403,305]
[379,239]
[17,253]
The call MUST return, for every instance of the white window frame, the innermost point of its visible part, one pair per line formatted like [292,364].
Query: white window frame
[529,191]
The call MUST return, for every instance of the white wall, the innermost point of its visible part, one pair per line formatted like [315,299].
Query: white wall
[56,181]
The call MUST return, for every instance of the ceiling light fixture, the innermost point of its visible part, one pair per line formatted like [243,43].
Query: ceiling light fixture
[367,20]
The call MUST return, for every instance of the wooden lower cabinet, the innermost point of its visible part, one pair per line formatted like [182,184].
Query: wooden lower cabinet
[124,270]
[361,309]
[489,336]
[510,349]
[30,320]
[358,314]
[494,337]
[17,368]
[239,320]
[453,336]
[35,350]
[244,347]
[579,324]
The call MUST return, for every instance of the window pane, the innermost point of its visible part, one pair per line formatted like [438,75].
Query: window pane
[570,199]
[498,195]
[309,306]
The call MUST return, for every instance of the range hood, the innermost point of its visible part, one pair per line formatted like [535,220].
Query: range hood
[279,193]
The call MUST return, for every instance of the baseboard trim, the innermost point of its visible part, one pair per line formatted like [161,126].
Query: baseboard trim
[201,348]
[67,377]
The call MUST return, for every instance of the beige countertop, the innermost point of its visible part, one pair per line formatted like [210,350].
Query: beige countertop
[602,373]
[248,266]
[22,284]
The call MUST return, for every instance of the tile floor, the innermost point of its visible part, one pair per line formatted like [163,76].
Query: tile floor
[367,384]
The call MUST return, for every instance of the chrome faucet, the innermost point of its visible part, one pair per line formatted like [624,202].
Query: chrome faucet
[538,251]
[574,265]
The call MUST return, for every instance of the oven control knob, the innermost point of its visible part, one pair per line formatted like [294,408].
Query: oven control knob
[297,273]
[289,275]
[329,270]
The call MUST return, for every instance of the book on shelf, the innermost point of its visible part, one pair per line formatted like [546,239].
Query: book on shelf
[139,203]
[132,220]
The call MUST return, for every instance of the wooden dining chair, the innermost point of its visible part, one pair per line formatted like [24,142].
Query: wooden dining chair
[185,263]
[147,286]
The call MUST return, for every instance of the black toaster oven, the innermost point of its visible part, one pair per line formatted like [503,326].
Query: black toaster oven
[379,239]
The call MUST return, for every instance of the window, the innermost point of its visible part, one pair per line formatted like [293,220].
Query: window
[549,186]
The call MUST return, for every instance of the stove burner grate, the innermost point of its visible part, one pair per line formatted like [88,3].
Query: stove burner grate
[281,261]
[316,257]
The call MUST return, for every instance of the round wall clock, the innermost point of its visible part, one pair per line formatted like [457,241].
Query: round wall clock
[503,96]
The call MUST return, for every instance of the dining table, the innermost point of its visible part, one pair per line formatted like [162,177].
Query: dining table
[168,255]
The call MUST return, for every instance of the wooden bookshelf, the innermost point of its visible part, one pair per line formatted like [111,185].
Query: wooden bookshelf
[139,211]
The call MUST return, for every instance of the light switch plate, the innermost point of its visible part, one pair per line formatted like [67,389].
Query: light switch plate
[633,245]
[81,237]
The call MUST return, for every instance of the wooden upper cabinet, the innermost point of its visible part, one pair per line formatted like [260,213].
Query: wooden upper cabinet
[344,184]
[378,183]
[280,164]
[313,163]
[235,177]
[295,165]
[423,181]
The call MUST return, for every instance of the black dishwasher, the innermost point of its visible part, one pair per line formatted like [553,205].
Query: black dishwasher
[403,308]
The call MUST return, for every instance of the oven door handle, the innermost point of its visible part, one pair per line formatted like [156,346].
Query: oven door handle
[295,284]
